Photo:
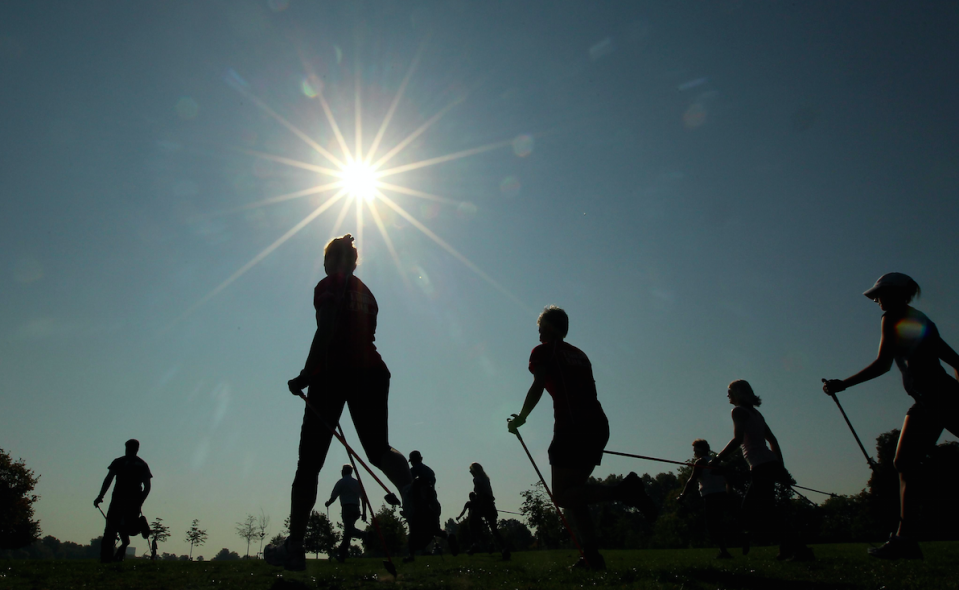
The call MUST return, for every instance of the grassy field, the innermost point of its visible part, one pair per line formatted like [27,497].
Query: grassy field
[839,567]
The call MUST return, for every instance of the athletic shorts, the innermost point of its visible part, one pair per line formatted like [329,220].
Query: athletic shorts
[940,410]
[581,448]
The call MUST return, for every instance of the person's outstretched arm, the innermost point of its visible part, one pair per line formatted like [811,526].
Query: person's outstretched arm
[774,444]
[336,494]
[878,367]
[533,396]
[103,489]
[465,508]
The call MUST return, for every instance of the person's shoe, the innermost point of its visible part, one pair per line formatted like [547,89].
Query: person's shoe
[897,548]
[724,555]
[473,548]
[802,553]
[746,546]
[590,561]
[454,545]
[409,559]
[507,555]
[785,552]
[285,556]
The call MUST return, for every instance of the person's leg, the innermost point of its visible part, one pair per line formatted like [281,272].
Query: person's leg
[109,540]
[757,509]
[315,440]
[350,514]
[714,509]
[369,407]
[571,492]
[920,431]
[122,549]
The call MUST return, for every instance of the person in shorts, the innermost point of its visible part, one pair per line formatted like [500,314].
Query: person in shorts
[123,517]
[342,368]
[912,341]
[580,431]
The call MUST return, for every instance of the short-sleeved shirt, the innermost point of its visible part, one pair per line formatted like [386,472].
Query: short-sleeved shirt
[916,341]
[354,330]
[131,474]
[424,473]
[348,490]
[569,380]
[710,481]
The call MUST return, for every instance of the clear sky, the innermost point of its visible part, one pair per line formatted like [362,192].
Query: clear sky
[706,188]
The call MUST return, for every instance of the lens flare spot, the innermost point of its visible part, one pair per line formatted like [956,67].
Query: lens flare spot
[694,116]
[523,145]
[601,49]
[430,210]
[187,108]
[307,87]
[466,209]
[908,329]
[510,187]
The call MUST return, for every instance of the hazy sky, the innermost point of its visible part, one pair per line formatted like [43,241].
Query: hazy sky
[706,188]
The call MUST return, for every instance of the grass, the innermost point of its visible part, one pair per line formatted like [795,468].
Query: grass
[838,567]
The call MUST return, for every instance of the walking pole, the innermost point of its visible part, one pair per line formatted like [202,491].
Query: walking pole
[388,562]
[390,496]
[872,464]
[552,499]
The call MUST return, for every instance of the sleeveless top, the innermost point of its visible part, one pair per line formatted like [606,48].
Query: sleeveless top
[916,340]
[755,450]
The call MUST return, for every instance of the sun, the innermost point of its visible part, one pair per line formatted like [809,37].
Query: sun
[359,181]
[355,178]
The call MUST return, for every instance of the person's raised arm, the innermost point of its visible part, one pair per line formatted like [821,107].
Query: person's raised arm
[878,367]
[103,489]
[533,396]
[465,508]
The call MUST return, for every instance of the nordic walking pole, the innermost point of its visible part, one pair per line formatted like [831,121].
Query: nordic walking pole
[869,460]
[390,496]
[552,499]
[388,562]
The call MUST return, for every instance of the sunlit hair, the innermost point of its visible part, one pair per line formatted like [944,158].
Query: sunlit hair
[556,319]
[701,443]
[477,470]
[347,470]
[132,446]
[744,391]
[342,250]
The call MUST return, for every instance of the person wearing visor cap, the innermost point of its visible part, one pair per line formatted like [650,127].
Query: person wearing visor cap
[912,341]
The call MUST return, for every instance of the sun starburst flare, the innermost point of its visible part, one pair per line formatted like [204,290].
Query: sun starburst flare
[355,178]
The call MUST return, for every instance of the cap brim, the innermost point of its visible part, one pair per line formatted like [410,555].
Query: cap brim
[873,292]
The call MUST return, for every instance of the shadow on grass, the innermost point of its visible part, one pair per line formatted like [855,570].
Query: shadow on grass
[751,581]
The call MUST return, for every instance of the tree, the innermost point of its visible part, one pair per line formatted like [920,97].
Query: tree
[516,534]
[262,524]
[394,533]
[541,515]
[159,531]
[247,530]
[195,536]
[320,536]
[226,555]
[17,527]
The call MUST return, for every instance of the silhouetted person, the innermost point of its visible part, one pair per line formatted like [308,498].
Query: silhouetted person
[483,510]
[348,491]
[343,367]
[423,514]
[580,431]
[712,488]
[132,488]
[766,467]
[912,341]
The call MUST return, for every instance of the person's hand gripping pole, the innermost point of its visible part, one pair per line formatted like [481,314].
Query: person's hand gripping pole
[513,425]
